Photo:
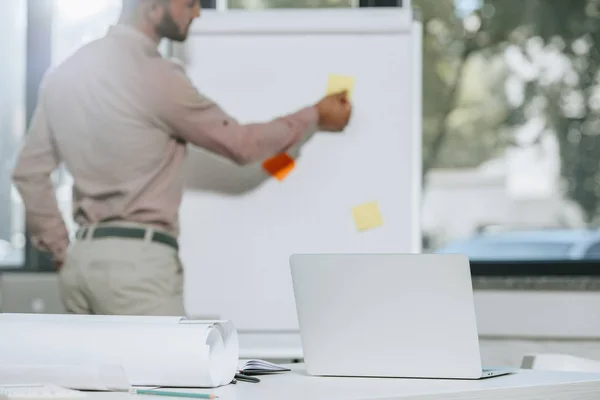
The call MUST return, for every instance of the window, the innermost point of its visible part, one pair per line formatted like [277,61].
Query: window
[593,252]
[12,125]
[262,4]
[511,154]
[79,22]
[76,23]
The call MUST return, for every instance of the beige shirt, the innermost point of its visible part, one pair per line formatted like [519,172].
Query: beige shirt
[119,116]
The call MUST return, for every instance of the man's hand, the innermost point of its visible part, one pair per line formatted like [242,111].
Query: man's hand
[334,112]
[58,260]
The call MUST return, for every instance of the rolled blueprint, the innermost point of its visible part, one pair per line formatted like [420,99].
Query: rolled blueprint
[144,351]
[81,377]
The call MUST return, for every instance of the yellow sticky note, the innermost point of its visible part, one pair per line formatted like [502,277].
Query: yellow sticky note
[339,83]
[367,216]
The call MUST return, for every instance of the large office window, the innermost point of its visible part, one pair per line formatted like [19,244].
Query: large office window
[13,28]
[512,128]
[511,121]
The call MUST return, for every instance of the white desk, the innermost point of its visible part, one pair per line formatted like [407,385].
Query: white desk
[297,385]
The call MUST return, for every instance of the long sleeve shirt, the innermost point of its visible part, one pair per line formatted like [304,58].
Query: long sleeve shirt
[120,116]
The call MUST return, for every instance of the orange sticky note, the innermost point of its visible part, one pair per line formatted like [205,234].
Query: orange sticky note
[279,166]
[367,216]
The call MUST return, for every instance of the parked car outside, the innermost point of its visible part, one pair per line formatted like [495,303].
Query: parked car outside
[576,244]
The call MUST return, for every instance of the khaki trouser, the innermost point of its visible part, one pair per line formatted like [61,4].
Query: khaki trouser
[121,276]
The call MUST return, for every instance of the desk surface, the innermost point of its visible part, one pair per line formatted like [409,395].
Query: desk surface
[297,385]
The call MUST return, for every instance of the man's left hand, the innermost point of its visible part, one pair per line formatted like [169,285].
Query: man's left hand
[58,262]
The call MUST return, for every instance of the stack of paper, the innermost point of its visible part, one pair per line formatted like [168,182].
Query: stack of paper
[114,353]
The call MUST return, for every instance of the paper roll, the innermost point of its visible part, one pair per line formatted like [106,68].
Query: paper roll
[152,351]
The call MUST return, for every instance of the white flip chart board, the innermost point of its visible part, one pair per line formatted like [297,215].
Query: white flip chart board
[240,225]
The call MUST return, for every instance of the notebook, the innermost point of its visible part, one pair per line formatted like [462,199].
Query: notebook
[260,367]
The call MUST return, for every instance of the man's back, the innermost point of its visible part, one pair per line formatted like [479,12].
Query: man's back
[99,109]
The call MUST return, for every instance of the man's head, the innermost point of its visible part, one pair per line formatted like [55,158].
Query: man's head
[169,19]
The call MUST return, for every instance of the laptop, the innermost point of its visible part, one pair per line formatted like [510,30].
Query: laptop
[388,315]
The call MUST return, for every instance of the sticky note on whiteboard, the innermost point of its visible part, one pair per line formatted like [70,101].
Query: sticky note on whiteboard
[367,216]
[279,166]
[339,83]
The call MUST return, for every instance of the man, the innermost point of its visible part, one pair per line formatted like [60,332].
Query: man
[119,116]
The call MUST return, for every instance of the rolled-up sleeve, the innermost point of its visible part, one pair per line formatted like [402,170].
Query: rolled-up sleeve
[32,176]
[197,119]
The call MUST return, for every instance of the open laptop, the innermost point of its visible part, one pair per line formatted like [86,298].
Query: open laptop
[388,315]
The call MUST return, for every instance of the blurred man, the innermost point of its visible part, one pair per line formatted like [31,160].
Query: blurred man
[119,116]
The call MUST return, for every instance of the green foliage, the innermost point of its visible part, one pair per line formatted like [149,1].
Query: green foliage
[468,119]
[571,105]
[462,112]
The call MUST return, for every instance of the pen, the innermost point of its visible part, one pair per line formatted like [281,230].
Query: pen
[173,394]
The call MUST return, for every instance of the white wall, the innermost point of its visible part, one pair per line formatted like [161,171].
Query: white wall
[515,323]
[538,314]
[510,352]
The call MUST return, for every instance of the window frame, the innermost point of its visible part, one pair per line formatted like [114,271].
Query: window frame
[39,59]
[8,146]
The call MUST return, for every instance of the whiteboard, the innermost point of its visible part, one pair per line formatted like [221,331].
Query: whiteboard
[239,225]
